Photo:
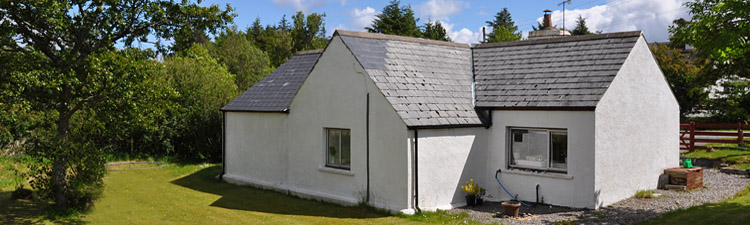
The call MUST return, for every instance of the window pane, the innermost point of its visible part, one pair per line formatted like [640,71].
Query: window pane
[345,148]
[529,148]
[333,147]
[559,146]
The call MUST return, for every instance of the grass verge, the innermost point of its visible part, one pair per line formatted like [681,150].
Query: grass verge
[733,210]
[738,156]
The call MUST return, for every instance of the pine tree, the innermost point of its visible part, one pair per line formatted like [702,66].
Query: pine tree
[503,28]
[435,31]
[581,28]
[395,20]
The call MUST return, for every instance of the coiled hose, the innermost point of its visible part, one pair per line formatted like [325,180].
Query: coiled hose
[506,190]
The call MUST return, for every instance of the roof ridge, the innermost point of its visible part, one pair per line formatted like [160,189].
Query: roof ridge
[562,39]
[308,52]
[398,38]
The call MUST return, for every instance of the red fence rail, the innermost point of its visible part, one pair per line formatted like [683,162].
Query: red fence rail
[706,133]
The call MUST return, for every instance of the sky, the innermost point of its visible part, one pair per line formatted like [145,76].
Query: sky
[464,19]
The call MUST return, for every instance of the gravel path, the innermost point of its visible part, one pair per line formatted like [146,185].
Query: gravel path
[629,211]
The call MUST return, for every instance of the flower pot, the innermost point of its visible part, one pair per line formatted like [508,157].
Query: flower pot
[511,208]
[471,200]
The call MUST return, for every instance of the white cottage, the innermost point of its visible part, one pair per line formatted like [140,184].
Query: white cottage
[401,123]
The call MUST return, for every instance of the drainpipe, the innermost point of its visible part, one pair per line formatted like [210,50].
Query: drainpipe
[223,144]
[416,171]
[367,149]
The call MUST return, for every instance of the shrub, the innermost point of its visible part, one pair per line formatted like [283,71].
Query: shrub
[644,194]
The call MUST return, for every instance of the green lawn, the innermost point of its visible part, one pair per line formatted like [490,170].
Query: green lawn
[735,210]
[191,194]
[739,157]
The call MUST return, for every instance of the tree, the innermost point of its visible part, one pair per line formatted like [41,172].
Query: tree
[78,69]
[686,76]
[720,31]
[204,86]
[308,32]
[395,20]
[248,63]
[581,28]
[503,28]
[435,31]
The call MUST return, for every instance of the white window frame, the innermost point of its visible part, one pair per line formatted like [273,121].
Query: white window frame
[548,166]
[339,166]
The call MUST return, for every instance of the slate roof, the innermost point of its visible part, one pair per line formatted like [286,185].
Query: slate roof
[561,72]
[275,92]
[428,83]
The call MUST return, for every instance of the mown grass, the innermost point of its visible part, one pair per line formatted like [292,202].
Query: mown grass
[191,194]
[730,211]
[738,156]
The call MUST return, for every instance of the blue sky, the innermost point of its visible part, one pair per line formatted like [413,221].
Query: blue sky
[464,18]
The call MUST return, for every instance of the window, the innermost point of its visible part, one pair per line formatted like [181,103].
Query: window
[338,148]
[540,149]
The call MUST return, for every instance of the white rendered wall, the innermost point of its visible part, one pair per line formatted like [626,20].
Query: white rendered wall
[637,129]
[574,189]
[447,159]
[255,147]
[335,96]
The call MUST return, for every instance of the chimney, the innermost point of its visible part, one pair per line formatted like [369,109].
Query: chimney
[547,19]
[547,30]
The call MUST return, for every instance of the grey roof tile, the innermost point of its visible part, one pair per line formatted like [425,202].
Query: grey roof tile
[275,92]
[424,80]
[556,72]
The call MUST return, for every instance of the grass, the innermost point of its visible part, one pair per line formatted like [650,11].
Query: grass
[730,211]
[738,156]
[191,194]
[644,194]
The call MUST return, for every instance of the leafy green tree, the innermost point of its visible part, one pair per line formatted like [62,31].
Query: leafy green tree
[435,31]
[503,28]
[204,86]
[78,69]
[686,76]
[308,32]
[248,63]
[581,28]
[720,30]
[395,20]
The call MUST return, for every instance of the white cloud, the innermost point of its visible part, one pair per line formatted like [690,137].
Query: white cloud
[653,17]
[440,9]
[301,5]
[463,35]
[362,18]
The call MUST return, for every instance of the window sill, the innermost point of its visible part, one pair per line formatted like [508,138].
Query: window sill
[539,174]
[336,171]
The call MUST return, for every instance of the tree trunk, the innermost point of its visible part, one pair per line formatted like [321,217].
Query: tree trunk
[60,164]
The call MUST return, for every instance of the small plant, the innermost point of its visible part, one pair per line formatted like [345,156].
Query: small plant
[566,222]
[644,194]
[600,215]
[471,188]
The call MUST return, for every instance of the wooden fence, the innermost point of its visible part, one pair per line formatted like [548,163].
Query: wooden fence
[706,133]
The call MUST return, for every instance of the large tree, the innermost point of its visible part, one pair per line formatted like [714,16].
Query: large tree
[581,28]
[503,28]
[396,20]
[686,75]
[435,31]
[248,63]
[77,69]
[720,30]
[307,32]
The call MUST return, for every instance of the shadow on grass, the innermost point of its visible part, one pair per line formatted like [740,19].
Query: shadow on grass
[257,200]
[711,213]
[27,211]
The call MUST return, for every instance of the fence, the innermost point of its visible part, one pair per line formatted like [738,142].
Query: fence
[706,133]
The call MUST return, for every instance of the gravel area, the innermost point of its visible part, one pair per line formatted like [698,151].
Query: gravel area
[717,186]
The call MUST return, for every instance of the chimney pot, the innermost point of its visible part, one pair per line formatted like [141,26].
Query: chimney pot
[547,19]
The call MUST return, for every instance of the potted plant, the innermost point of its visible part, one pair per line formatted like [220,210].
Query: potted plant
[471,190]
[480,196]
[511,208]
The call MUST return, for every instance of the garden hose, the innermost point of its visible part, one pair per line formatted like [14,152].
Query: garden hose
[506,190]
